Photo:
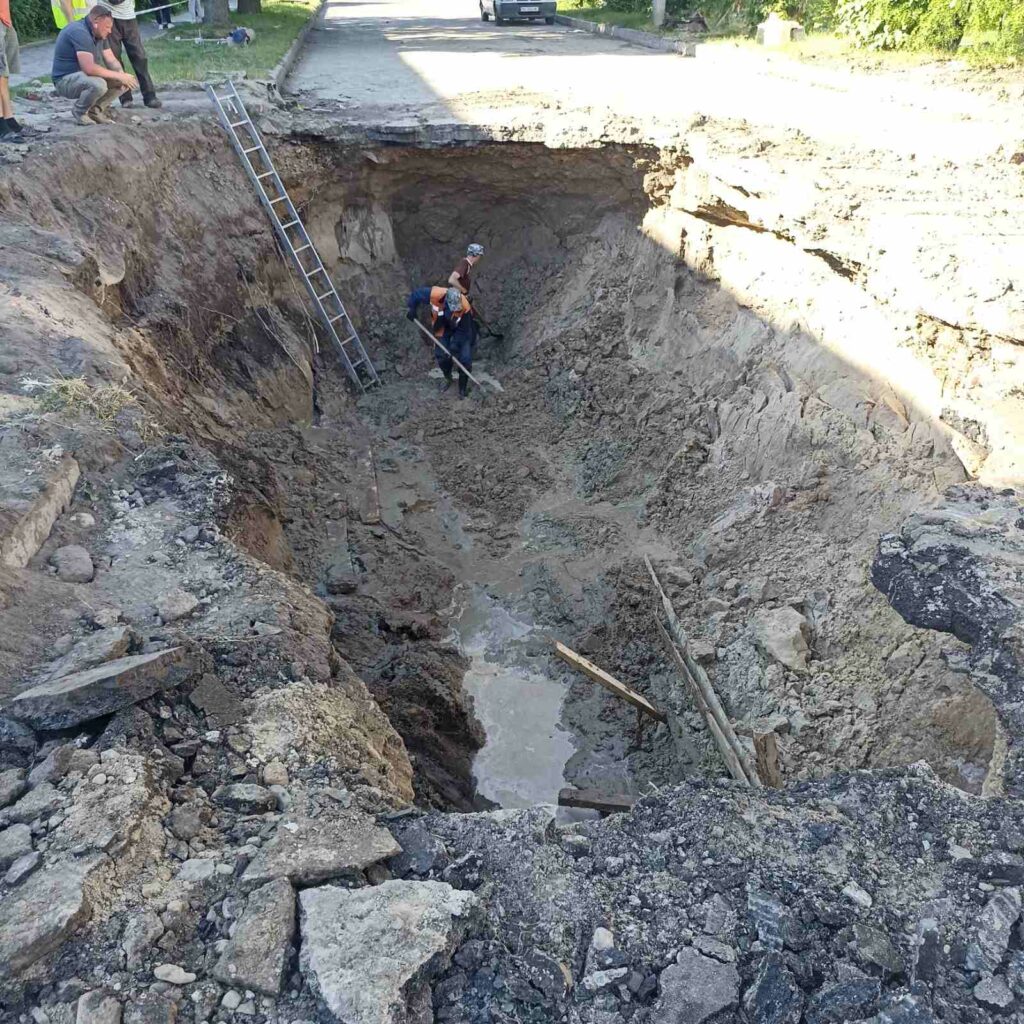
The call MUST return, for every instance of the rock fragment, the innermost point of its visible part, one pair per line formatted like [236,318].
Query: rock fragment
[421,853]
[994,994]
[73,564]
[176,604]
[36,803]
[173,974]
[370,953]
[15,842]
[852,999]
[38,916]
[141,931]
[694,989]
[307,850]
[98,1008]
[95,649]
[257,955]
[83,696]
[992,932]
[23,867]
[781,633]
[12,785]
[774,997]
[245,798]
[875,951]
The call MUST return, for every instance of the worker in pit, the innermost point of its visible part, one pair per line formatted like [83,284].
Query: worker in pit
[460,336]
[435,298]
[460,276]
[454,325]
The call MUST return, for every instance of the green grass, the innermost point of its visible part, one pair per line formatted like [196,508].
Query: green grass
[184,60]
[640,20]
[627,19]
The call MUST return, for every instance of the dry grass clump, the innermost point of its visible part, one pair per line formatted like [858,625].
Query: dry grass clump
[77,395]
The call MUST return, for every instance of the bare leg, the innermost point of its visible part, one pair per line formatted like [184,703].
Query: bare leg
[6,107]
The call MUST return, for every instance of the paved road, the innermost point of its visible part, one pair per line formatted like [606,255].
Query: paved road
[436,62]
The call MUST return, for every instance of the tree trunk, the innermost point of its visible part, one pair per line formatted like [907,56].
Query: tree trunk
[216,14]
[250,7]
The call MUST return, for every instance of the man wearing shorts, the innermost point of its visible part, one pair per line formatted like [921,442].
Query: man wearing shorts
[10,64]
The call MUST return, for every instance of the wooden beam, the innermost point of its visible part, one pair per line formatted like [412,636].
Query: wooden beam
[766,753]
[592,800]
[609,682]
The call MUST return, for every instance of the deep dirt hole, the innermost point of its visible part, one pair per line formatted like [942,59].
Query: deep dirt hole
[643,411]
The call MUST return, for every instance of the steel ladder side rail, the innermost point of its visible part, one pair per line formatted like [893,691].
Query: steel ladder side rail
[235,119]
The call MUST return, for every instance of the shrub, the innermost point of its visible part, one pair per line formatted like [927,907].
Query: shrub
[934,24]
[32,19]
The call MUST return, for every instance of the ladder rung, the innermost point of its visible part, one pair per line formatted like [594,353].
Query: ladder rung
[358,362]
[351,337]
[265,174]
[320,298]
[238,124]
[252,149]
[313,273]
[291,224]
[340,316]
[279,199]
[308,245]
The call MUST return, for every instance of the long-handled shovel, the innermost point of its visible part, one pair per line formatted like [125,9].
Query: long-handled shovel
[450,356]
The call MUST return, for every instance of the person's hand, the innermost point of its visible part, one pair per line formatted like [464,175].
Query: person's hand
[410,315]
[130,81]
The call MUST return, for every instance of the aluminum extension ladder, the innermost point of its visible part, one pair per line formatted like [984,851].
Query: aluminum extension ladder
[291,232]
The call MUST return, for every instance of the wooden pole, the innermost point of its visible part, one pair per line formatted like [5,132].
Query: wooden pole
[609,682]
[700,678]
[595,801]
[732,762]
[447,353]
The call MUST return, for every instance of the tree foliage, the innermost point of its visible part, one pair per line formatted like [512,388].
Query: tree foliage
[32,19]
[933,24]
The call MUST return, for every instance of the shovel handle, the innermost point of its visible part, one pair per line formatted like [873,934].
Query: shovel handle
[447,353]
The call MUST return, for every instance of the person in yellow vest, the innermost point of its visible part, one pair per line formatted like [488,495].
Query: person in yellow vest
[67,11]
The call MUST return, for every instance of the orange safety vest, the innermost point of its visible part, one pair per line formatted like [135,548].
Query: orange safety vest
[437,297]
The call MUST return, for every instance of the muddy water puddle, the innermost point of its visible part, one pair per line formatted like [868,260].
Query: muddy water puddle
[522,761]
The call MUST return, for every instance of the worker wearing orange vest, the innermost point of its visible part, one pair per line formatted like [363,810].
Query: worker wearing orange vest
[436,298]
[453,324]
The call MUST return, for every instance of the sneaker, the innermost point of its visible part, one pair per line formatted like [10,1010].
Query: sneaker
[127,99]
[100,116]
[84,120]
[152,101]
[14,138]
[29,132]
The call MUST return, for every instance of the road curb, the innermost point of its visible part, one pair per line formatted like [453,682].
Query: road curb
[685,47]
[282,69]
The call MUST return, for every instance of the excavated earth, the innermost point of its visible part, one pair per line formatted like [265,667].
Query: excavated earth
[281,724]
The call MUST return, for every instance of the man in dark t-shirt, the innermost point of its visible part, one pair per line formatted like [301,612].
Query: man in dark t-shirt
[459,277]
[85,69]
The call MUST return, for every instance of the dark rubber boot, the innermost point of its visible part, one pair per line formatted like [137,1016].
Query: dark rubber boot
[445,384]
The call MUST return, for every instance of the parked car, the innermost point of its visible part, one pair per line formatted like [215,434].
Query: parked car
[520,10]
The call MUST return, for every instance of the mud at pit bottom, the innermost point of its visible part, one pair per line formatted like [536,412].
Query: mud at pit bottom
[526,748]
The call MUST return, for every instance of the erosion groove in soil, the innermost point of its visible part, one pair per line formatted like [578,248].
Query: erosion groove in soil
[355,561]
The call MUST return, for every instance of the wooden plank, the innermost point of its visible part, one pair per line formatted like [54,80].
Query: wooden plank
[766,752]
[609,682]
[592,800]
